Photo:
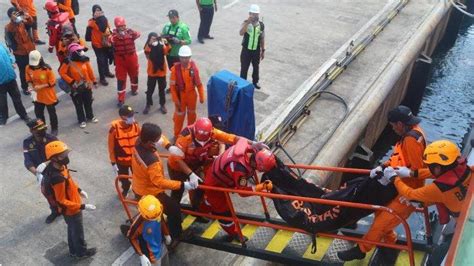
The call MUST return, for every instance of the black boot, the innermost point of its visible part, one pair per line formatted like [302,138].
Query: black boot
[51,217]
[352,254]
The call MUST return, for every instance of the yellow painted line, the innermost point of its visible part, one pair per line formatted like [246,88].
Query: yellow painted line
[248,230]
[322,244]
[212,230]
[403,258]
[363,262]
[188,221]
[279,241]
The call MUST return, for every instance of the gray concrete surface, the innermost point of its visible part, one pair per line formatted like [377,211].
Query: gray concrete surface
[300,38]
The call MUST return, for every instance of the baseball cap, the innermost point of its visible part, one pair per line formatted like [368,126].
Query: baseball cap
[173,13]
[403,114]
[36,124]
[126,110]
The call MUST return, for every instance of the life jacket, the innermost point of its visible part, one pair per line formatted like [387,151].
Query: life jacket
[236,154]
[54,27]
[397,158]
[193,72]
[450,180]
[124,44]
[196,154]
[125,141]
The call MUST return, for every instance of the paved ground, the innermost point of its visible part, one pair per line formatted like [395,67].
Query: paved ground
[300,38]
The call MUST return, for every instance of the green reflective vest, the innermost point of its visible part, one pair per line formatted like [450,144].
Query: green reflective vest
[254,33]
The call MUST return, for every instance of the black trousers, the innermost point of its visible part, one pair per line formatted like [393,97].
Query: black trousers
[22,62]
[195,196]
[83,104]
[75,234]
[246,57]
[34,26]
[53,118]
[151,84]
[171,60]
[102,55]
[172,209]
[124,170]
[206,14]
[11,88]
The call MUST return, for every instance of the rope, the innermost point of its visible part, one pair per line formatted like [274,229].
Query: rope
[460,7]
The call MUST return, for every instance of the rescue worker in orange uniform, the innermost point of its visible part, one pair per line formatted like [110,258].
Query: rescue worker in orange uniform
[126,58]
[200,144]
[233,169]
[67,37]
[145,233]
[28,7]
[148,178]
[408,152]
[68,195]
[452,177]
[57,20]
[42,82]
[184,80]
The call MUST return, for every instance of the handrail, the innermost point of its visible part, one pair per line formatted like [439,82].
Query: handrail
[238,221]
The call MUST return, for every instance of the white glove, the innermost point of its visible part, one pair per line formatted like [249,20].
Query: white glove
[40,168]
[388,173]
[90,207]
[84,194]
[194,178]
[403,171]
[39,177]
[374,172]
[176,151]
[168,240]
[144,261]
[115,168]
[188,185]
[259,145]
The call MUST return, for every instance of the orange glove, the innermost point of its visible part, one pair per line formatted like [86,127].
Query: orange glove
[267,185]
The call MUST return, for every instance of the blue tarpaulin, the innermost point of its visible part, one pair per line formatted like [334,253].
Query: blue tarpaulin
[231,97]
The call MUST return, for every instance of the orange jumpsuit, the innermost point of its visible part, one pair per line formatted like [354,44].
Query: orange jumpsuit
[407,152]
[185,98]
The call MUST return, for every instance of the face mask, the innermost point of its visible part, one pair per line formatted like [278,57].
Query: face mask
[18,19]
[155,43]
[129,120]
[202,143]
[64,161]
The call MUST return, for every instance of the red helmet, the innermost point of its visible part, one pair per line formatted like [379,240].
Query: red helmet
[203,129]
[119,21]
[51,7]
[265,160]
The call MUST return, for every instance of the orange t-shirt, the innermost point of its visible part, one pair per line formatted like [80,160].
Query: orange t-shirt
[69,72]
[42,76]
[158,72]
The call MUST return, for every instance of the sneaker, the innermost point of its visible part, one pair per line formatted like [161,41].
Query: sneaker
[94,120]
[82,125]
[88,253]
[134,92]
[257,86]
[146,110]
[51,217]
[209,37]
[39,42]
[54,132]
[352,254]
[110,75]
[163,109]
[201,41]
[104,82]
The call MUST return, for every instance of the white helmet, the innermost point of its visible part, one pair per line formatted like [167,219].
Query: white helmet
[34,58]
[254,9]
[185,51]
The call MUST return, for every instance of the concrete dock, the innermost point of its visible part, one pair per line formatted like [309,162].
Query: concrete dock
[301,37]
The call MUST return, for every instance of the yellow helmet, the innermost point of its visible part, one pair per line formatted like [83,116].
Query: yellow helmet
[150,208]
[54,148]
[442,152]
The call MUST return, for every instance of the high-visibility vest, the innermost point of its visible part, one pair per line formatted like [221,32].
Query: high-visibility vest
[125,141]
[254,36]
[397,158]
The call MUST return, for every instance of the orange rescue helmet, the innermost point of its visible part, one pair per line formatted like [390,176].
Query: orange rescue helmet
[265,160]
[54,148]
[203,129]
[119,21]
[150,208]
[51,7]
[442,152]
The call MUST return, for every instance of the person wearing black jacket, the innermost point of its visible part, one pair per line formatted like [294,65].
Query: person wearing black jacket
[97,32]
